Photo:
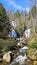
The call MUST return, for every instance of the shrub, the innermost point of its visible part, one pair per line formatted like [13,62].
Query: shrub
[33,45]
[6,43]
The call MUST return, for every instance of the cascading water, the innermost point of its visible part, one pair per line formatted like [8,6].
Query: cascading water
[21,58]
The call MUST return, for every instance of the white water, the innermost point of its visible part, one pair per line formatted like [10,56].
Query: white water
[20,59]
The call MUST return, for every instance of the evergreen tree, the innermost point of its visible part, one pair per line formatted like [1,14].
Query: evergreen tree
[4,22]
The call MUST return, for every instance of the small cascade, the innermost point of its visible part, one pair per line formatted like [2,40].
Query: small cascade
[21,58]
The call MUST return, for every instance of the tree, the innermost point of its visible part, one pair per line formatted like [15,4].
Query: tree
[4,22]
[17,14]
[33,11]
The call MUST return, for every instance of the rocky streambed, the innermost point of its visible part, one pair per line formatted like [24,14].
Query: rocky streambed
[24,56]
[21,57]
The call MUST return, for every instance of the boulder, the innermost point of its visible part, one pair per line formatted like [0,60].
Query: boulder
[6,57]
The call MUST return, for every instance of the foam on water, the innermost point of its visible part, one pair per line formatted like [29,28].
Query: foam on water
[20,59]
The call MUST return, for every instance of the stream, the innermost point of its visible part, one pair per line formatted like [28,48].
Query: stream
[21,58]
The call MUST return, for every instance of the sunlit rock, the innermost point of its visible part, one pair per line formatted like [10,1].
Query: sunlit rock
[7,57]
